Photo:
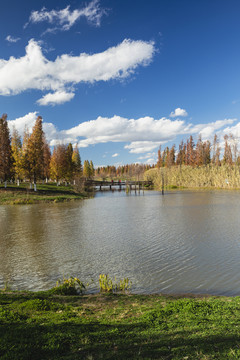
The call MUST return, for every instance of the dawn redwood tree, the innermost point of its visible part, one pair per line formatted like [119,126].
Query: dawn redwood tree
[170,160]
[86,169]
[165,156]
[36,151]
[77,163]
[46,159]
[26,166]
[92,170]
[227,156]
[160,159]
[199,159]
[58,163]
[16,145]
[181,156]
[190,152]
[216,151]
[206,152]
[69,162]
[5,150]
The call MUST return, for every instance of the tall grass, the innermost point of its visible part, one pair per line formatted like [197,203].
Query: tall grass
[222,177]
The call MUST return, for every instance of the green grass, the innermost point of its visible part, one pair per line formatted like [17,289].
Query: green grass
[118,326]
[45,193]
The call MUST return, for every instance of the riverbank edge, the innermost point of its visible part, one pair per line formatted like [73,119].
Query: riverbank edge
[23,196]
[194,189]
[118,326]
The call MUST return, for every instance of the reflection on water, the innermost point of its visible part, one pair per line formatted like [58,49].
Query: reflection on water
[179,242]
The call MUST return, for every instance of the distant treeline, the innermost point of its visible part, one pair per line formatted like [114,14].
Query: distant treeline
[127,171]
[203,153]
[31,159]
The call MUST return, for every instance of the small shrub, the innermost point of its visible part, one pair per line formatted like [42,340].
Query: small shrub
[70,286]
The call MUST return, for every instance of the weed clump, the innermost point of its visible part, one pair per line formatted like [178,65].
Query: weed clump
[108,285]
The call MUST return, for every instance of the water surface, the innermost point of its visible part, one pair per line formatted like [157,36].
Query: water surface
[177,243]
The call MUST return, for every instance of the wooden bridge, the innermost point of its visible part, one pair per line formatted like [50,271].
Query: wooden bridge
[130,185]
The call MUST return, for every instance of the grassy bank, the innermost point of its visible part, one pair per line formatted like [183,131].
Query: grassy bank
[44,325]
[45,193]
[208,177]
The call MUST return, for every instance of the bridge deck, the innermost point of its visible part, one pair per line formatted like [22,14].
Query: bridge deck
[119,183]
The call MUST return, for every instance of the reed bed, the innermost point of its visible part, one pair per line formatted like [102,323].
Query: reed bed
[220,177]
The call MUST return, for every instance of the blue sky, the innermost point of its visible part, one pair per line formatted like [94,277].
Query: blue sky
[121,77]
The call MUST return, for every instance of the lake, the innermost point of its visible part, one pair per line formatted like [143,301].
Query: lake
[182,242]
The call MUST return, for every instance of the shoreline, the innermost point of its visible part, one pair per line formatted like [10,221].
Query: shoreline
[46,193]
[25,196]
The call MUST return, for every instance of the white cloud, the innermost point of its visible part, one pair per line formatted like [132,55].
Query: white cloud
[208,130]
[151,161]
[59,97]
[178,112]
[64,19]
[147,156]
[115,155]
[118,129]
[139,147]
[34,71]
[12,39]
[139,136]
[23,122]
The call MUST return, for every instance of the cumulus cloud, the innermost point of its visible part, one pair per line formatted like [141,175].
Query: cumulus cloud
[147,156]
[23,122]
[64,19]
[35,71]
[151,161]
[138,147]
[208,130]
[59,97]
[12,39]
[119,129]
[139,136]
[178,112]
[115,155]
